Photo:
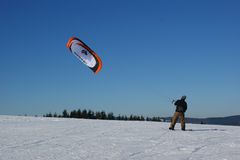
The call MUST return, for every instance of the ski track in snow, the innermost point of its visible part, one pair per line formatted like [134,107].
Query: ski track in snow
[38,138]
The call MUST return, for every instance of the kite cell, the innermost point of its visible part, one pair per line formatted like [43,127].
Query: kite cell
[85,54]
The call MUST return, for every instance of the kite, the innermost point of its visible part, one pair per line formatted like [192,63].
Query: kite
[85,54]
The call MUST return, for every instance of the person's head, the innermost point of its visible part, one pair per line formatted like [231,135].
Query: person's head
[183,97]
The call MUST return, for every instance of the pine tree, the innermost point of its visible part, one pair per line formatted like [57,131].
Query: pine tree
[49,114]
[84,114]
[103,115]
[65,114]
[131,117]
[118,117]
[90,114]
[55,115]
[79,114]
[142,118]
[110,116]
[73,114]
[98,115]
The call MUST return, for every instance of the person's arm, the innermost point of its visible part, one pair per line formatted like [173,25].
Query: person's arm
[176,103]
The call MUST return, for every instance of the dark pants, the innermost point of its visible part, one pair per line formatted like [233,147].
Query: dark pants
[175,118]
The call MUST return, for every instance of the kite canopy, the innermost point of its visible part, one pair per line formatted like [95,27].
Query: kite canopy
[85,54]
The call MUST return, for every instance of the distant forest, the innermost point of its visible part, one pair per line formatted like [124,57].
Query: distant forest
[89,114]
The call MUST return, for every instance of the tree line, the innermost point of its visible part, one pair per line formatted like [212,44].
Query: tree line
[89,114]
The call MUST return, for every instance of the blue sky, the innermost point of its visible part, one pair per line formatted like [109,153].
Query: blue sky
[152,52]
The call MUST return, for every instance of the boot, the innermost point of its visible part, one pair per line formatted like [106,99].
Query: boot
[171,128]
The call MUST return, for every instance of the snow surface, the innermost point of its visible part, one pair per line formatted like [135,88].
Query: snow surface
[38,138]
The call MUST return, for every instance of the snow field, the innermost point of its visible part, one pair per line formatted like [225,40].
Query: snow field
[38,138]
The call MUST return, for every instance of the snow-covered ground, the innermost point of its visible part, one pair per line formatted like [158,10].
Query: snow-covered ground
[37,138]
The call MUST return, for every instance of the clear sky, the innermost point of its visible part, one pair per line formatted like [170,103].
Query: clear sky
[152,51]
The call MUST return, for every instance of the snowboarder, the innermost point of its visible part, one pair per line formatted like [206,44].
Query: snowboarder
[181,107]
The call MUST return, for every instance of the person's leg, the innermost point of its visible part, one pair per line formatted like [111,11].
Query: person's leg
[182,119]
[174,120]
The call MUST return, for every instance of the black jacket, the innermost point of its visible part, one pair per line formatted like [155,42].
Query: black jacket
[181,105]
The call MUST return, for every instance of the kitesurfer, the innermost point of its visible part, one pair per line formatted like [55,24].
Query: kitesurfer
[181,107]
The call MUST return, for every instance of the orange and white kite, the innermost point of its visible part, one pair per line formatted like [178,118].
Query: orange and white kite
[85,54]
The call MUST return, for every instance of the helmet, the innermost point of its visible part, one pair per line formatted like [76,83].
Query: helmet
[184,97]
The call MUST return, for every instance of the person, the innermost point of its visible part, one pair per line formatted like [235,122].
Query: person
[181,107]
